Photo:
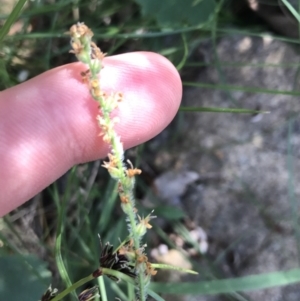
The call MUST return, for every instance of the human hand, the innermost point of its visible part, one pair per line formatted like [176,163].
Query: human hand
[48,124]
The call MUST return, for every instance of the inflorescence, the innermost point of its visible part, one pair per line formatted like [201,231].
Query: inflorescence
[88,53]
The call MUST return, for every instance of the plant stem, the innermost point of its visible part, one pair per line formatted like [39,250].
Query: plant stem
[73,287]
[104,271]
[102,289]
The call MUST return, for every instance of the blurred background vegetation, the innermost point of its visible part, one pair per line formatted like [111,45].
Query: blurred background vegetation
[84,202]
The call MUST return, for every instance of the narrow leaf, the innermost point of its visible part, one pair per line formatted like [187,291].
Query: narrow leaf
[171,267]
[11,19]
[155,295]
[222,110]
[241,284]
[239,88]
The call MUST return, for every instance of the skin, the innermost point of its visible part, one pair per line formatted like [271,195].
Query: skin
[48,124]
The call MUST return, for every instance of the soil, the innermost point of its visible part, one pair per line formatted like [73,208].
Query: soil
[245,192]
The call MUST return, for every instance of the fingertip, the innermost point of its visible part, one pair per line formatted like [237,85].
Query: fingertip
[152,91]
[49,122]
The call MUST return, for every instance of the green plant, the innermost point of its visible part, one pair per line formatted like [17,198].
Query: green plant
[129,261]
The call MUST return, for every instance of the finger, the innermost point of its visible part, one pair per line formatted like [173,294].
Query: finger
[48,124]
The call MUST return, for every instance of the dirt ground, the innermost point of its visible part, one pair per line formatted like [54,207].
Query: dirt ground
[244,170]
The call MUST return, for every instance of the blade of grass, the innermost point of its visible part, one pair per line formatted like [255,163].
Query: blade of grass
[11,19]
[43,9]
[185,53]
[155,296]
[257,34]
[171,267]
[4,75]
[130,292]
[241,284]
[61,209]
[113,32]
[102,288]
[116,288]
[239,88]
[291,9]
[219,67]
[291,188]
[81,242]
[298,13]
[221,110]
[109,200]
[241,65]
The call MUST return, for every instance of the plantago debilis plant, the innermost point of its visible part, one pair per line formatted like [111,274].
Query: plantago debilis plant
[129,261]
[130,258]
[88,53]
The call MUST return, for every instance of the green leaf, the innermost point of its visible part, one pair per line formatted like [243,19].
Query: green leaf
[247,283]
[171,267]
[240,88]
[23,278]
[291,9]
[221,110]
[11,19]
[177,13]
[155,296]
